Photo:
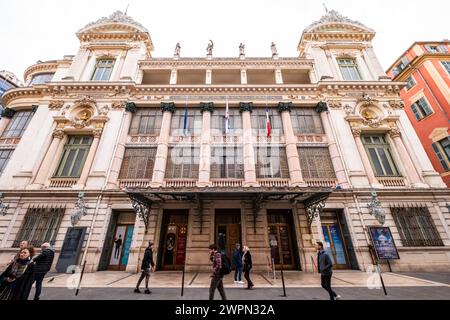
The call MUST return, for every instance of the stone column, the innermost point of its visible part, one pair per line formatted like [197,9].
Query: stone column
[162,152]
[410,170]
[205,146]
[365,159]
[43,171]
[249,153]
[89,159]
[278,76]
[336,159]
[120,150]
[295,171]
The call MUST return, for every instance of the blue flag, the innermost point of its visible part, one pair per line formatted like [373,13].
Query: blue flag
[185,121]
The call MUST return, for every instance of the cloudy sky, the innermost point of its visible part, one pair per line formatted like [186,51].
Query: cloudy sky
[45,30]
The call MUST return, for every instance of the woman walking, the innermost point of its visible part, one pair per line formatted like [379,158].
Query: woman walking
[17,279]
[247,264]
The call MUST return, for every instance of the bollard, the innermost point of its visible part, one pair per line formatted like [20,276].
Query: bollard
[182,283]
[381,278]
[282,281]
[81,277]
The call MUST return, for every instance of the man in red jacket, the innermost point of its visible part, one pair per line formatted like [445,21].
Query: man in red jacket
[216,277]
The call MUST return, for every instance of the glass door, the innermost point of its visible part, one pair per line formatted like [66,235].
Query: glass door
[335,245]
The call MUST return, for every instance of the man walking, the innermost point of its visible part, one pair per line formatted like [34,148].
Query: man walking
[146,266]
[216,277]
[43,265]
[237,261]
[325,267]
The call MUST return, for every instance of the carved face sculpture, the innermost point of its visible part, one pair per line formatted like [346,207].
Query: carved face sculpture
[368,114]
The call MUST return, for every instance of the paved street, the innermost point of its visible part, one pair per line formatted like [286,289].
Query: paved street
[352,285]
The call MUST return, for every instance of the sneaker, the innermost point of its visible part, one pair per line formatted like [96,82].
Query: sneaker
[147,291]
[241,282]
[236,281]
[137,290]
[338,297]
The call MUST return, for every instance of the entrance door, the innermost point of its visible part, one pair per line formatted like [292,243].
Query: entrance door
[281,236]
[120,241]
[228,230]
[173,240]
[335,245]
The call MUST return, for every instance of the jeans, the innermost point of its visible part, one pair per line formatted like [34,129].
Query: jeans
[326,284]
[247,277]
[38,277]
[145,274]
[117,252]
[216,283]
[238,274]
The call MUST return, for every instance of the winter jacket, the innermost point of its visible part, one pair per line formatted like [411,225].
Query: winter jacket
[237,258]
[247,260]
[44,261]
[148,259]
[216,264]
[324,263]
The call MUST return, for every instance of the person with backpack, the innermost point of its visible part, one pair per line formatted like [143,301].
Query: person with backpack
[219,269]
[248,265]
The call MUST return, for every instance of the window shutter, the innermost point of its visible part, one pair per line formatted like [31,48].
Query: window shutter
[405,61]
[425,106]
[443,48]
[416,111]
[440,156]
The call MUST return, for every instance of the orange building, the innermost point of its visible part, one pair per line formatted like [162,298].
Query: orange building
[425,67]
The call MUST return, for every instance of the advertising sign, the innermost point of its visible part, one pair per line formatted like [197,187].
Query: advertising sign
[383,243]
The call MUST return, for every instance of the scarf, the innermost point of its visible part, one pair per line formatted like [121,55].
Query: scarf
[18,268]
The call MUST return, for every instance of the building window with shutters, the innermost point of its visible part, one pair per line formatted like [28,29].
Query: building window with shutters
[446,65]
[436,48]
[5,155]
[410,83]
[227,162]
[186,123]
[103,70]
[380,155]
[40,225]
[306,121]
[349,69]
[183,162]
[146,122]
[416,227]
[218,122]
[316,163]
[259,122]
[73,157]
[421,109]
[442,150]
[18,124]
[138,163]
[271,162]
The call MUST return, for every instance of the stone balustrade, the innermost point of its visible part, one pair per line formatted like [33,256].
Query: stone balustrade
[318,182]
[274,182]
[222,183]
[180,183]
[63,182]
[134,183]
[392,182]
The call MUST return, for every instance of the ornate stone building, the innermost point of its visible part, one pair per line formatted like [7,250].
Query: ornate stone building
[121,145]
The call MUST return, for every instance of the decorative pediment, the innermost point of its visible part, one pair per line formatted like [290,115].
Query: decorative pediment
[116,19]
[334,21]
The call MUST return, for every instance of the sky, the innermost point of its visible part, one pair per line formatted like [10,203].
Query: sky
[45,30]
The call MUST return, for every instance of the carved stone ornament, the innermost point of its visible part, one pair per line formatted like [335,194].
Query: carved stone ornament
[56,105]
[321,107]
[8,113]
[168,106]
[395,133]
[104,110]
[349,110]
[375,209]
[116,17]
[58,133]
[207,106]
[356,132]
[79,211]
[370,118]
[367,100]
[333,16]
[86,102]
[396,104]
[284,106]
[245,106]
[3,207]
[131,107]
[334,104]
[313,211]
[118,105]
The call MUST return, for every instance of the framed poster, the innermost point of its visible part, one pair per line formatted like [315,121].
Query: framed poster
[383,243]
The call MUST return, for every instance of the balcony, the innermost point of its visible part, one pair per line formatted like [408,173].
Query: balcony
[63,182]
[224,183]
[134,183]
[277,183]
[392,182]
[180,183]
[325,183]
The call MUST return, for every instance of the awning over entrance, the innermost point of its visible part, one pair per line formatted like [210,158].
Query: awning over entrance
[313,198]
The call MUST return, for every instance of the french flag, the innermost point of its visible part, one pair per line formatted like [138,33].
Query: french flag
[268,127]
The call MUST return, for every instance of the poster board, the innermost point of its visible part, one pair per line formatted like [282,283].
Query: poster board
[383,243]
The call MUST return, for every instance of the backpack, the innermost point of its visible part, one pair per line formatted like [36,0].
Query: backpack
[226,265]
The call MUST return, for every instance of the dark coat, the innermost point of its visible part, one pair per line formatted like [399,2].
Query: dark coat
[248,264]
[44,261]
[148,259]
[20,288]
[324,264]
[237,258]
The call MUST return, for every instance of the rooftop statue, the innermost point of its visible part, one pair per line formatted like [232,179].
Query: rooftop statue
[177,49]
[273,47]
[242,49]
[210,47]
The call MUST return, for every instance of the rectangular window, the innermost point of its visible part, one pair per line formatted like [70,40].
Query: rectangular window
[410,83]
[380,156]
[259,122]
[442,150]
[18,124]
[271,162]
[73,157]
[5,155]
[446,65]
[227,162]
[415,227]
[193,120]
[146,122]
[103,70]
[183,163]
[138,163]
[316,163]
[42,78]
[421,109]
[218,121]
[349,69]
[305,121]
[40,225]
